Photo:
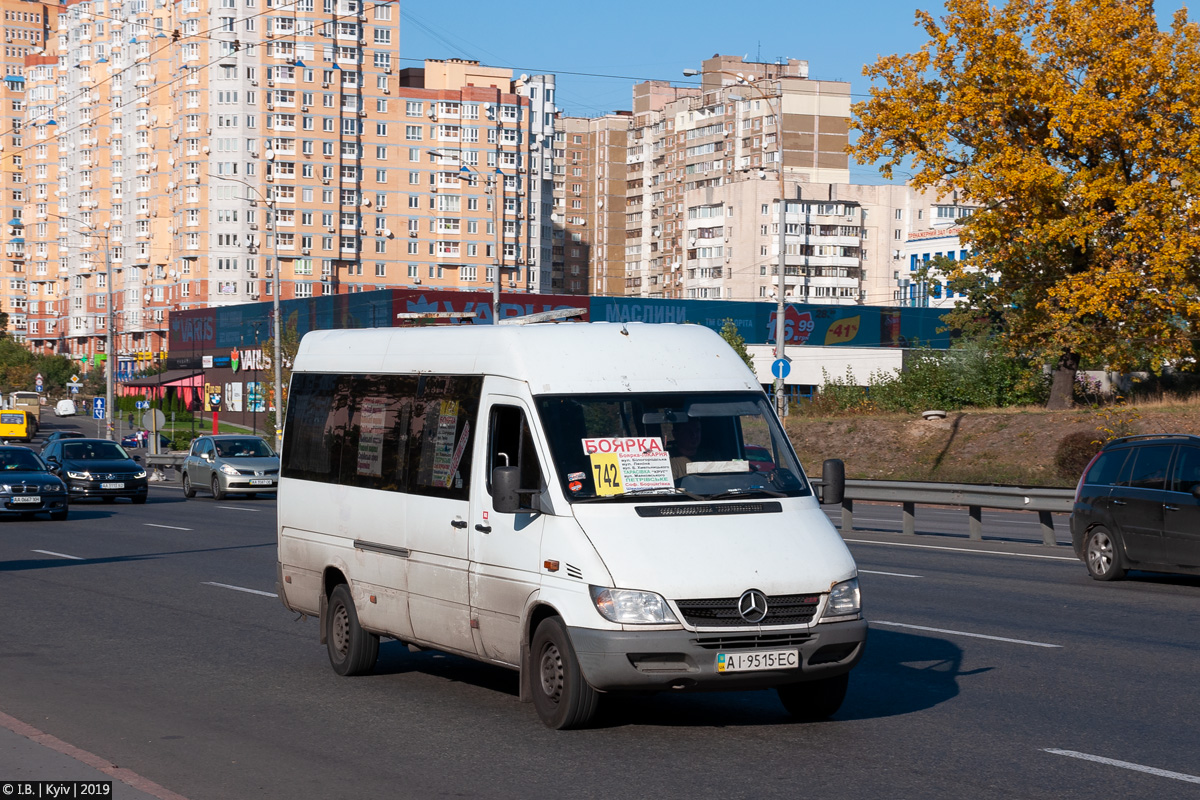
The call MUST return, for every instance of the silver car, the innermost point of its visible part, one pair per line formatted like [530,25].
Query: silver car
[230,464]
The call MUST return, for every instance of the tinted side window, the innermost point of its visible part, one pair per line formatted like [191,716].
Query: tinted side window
[375,446]
[443,420]
[309,443]
[1150,466]
[1107,468]
[1187,470]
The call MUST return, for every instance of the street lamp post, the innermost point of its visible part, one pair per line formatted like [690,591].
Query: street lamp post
[277,360]
[781,303]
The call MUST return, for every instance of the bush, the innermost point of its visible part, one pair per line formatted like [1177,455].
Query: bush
[1074,453]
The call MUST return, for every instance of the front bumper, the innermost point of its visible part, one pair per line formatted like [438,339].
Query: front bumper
[687,660]
[84,489]
[50,502]
[240,484]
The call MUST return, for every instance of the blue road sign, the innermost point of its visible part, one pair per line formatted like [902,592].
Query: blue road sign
[780,368]
[143,404]
[97,408]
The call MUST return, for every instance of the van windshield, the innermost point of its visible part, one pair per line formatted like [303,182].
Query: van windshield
[669,446]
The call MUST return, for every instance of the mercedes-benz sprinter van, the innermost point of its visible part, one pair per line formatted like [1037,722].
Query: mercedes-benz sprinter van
[603,507]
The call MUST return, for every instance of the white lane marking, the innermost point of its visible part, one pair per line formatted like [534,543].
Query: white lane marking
[239,589]
[60,555]
[963,550]
[240,508]
[893,574]
[962,633]
[1162,773]
[169,527]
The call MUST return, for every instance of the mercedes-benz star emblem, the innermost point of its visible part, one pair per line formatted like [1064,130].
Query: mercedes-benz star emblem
[752,605]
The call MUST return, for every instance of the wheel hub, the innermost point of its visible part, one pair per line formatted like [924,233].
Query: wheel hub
[341,629]
[552,673]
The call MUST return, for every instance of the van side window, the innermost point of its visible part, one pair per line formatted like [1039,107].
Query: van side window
[1186,474]
[374,452]
[510,444]
[443,421]
[308,436]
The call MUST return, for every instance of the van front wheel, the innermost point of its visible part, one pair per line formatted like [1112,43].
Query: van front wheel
[562,697]
[352,650]
[813,701]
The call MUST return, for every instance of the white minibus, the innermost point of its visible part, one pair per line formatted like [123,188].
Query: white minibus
[602,507]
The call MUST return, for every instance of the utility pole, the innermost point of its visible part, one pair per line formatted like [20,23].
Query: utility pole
[109,354]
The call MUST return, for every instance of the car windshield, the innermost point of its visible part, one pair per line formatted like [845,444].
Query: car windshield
[669,446]
[93,451]
[20,459]
[243,448]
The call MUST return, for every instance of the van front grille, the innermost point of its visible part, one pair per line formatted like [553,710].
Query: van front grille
[746,641]
[785,609]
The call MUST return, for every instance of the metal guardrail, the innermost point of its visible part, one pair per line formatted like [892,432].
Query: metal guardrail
[910,494]
[159,461]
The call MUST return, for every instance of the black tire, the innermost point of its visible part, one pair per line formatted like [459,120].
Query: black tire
[1102,554]
[139,500]
[561,695]
[109,499]
[59,516]
[814,700]
[352,651]
[215,488]
[188,489]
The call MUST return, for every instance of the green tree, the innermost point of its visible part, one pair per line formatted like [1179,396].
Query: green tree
[1072,125]
[729,332]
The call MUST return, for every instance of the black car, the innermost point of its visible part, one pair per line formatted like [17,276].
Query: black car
[97,468]
[54,436]
[27,486]
[1138,507]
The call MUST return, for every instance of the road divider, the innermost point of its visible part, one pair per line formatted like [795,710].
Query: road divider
[965,550]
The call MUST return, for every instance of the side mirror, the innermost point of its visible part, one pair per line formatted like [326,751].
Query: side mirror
[833,481]
[51,459]
[506,494]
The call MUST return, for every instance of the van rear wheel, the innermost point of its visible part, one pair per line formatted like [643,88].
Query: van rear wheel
[352,650]
[813,701]
[562,697]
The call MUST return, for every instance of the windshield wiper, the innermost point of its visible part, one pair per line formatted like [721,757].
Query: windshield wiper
[643,493]
[754,490]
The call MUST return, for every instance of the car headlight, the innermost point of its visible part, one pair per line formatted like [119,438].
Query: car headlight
[52,487]
[845,602]
[141,474]
[630,607]
[6,488]
[228,470]
[83,476]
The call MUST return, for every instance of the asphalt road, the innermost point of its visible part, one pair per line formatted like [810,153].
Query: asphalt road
[147,637]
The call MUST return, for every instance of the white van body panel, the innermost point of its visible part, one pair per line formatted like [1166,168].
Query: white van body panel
[64,408]
[686,558]
[601,358]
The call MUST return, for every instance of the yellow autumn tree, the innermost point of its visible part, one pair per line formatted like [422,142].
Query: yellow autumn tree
[1074,125]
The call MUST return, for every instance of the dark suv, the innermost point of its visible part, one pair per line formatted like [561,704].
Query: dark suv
[1138,507]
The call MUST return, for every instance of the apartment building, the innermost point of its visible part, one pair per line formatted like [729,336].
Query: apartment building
[589,204]
[190,150]
[748,124]
[26,26]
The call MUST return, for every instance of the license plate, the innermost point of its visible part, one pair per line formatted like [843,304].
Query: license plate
[261,481]
[27,498]
[758,660]
[112,486]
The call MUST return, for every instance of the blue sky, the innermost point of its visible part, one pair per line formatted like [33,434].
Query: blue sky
[619,43]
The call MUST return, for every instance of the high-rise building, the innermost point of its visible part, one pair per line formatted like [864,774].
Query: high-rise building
[26,26]
[191,152]
[589,197]
[720,149]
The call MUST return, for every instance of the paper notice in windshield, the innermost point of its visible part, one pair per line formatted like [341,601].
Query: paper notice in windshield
[629,464]
[373,417]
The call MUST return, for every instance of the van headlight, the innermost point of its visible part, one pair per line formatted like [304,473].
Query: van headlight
[845,602]
[630,607]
